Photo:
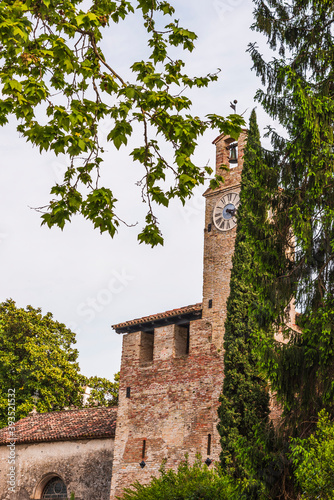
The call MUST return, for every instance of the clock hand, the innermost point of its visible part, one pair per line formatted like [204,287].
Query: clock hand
[231,211]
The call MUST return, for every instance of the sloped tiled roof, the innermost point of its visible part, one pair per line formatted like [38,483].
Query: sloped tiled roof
[66,425]
[195,310]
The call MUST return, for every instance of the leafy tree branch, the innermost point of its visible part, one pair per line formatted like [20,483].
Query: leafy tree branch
[58,82]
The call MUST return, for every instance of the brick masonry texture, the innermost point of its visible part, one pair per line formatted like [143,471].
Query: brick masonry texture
[174,398]
[172,405]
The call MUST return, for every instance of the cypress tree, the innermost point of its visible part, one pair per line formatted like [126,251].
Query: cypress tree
[244,424]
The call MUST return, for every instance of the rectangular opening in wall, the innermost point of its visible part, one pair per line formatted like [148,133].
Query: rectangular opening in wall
[144,449]
[128,391]
[182,340]
[146,347]
[209,445]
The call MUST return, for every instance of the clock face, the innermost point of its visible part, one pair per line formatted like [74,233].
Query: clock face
[224,212]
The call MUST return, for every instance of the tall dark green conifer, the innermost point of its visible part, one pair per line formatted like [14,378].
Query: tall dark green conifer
[299,81]
[244,423]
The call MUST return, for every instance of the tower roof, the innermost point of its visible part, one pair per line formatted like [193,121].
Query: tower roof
[224,136]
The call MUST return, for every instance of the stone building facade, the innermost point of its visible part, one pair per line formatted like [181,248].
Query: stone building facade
[59,453]
[172,363]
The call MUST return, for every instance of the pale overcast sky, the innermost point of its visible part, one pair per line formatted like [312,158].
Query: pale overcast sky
[87,280]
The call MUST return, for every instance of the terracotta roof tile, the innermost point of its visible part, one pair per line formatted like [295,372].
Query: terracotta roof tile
[196,308]
[88,423]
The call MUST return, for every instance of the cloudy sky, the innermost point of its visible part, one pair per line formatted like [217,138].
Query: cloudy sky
[90,281]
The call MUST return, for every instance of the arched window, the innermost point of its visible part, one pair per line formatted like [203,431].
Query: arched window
[55,489]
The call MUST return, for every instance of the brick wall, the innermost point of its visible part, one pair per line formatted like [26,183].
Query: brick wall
[172,406]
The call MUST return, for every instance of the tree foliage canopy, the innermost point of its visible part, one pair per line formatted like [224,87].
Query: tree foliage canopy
[294,248]
[38,361]
[103,392]
[313,459]
[60,84]
[286,220]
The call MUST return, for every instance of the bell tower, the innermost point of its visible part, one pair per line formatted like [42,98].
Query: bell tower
[220,231]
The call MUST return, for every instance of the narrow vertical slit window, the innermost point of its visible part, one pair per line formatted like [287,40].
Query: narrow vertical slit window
[144,449]
[188,339]
[128,390]
[209,445]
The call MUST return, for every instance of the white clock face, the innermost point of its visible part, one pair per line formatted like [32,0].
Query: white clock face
[224,212]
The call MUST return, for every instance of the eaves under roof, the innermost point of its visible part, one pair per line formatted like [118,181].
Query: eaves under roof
[181,316]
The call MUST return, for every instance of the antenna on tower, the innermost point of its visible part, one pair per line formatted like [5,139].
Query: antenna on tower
[233,105]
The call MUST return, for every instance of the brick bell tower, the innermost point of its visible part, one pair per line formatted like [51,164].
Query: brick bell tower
[220,231]
[172,362]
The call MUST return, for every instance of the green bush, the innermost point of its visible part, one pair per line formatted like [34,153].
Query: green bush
[197,482]
[313,459]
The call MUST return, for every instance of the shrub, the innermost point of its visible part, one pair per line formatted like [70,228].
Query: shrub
[313,459]
[196,482]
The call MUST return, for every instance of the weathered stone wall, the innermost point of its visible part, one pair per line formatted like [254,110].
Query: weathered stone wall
[85,466]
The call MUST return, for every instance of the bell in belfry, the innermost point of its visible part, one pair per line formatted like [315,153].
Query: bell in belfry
[233,153]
